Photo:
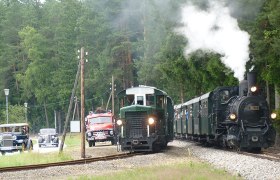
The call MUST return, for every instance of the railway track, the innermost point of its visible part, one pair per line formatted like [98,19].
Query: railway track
[65,163]
[263,155]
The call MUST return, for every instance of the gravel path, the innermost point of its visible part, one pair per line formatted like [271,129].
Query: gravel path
[247,167]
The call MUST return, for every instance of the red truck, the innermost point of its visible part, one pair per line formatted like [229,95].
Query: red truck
[99,127]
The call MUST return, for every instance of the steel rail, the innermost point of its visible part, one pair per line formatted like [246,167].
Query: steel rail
[65,163]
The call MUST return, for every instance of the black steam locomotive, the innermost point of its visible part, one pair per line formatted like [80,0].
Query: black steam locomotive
[145,119]
[234,117]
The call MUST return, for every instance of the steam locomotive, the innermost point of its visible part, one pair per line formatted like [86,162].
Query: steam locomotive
[145,119]
[232,117]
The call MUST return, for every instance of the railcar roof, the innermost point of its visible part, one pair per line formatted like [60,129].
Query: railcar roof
[141,89]
[14,124]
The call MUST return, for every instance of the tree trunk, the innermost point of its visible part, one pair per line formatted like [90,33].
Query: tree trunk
[46,115]
[59,122]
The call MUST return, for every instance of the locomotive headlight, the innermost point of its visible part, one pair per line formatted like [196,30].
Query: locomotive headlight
[119,122]
[253,88]
[273,115]
[151,120]
[232,117]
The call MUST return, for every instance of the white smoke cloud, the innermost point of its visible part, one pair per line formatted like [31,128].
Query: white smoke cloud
[215,30]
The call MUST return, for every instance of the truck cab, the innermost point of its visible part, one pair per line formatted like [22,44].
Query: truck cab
[100,127]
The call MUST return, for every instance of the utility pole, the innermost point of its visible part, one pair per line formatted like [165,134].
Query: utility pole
[113,96]
[82,106]
[69,109]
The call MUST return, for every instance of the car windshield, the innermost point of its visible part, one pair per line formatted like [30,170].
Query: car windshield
[97,120]
[47,131]
[14,129]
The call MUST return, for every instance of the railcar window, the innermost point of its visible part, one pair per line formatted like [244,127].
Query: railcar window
[160,101]
[140,100]
[150,99]
[129,99]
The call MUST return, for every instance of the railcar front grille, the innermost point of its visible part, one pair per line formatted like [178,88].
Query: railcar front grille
[136,124]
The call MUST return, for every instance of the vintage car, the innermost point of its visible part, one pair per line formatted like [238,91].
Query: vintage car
[15,137]
[48,137]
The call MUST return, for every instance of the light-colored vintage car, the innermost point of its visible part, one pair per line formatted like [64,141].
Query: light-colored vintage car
[15,137]
[48,137]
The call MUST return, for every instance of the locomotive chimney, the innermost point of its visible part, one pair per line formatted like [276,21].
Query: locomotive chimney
[252,83]
[243,88]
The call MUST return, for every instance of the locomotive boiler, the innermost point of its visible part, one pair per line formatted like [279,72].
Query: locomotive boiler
[236,117]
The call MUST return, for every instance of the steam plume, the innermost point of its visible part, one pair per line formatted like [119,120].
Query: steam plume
[215,30]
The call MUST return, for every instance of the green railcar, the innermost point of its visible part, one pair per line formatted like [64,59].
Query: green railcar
[145,121]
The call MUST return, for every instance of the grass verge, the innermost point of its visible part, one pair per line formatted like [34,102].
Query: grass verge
[190,170]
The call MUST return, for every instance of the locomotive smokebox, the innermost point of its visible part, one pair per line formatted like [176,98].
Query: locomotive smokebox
[252,83]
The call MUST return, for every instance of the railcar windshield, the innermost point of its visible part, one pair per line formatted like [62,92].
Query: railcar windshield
[98,120]
[150,99]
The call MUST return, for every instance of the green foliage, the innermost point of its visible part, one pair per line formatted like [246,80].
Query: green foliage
[16,114]
[134,41]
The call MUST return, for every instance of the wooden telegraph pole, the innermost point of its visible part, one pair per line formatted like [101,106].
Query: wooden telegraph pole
[83,154]
[113,95]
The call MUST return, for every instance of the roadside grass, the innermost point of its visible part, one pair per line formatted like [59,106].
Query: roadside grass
[27,158]
[193,170]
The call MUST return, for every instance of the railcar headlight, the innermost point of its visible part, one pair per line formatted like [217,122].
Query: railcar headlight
[273,115]
[119,122]
[253,88]
[232,117]
[151,120]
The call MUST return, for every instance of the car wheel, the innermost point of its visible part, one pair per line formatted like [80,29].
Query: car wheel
[113,142]
[29,146]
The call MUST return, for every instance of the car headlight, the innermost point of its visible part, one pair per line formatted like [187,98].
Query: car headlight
[119,122]
[232,117]
[273,115]
[111,132]
[253,88]
[14,137]
[151,120]
[53,137]
[89,133]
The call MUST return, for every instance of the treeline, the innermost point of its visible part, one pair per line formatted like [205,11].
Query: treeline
[134,41]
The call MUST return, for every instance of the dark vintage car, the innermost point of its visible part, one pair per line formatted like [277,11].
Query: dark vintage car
[48,137]
[15,137]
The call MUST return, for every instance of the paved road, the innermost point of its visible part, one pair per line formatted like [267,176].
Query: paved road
[38,149]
